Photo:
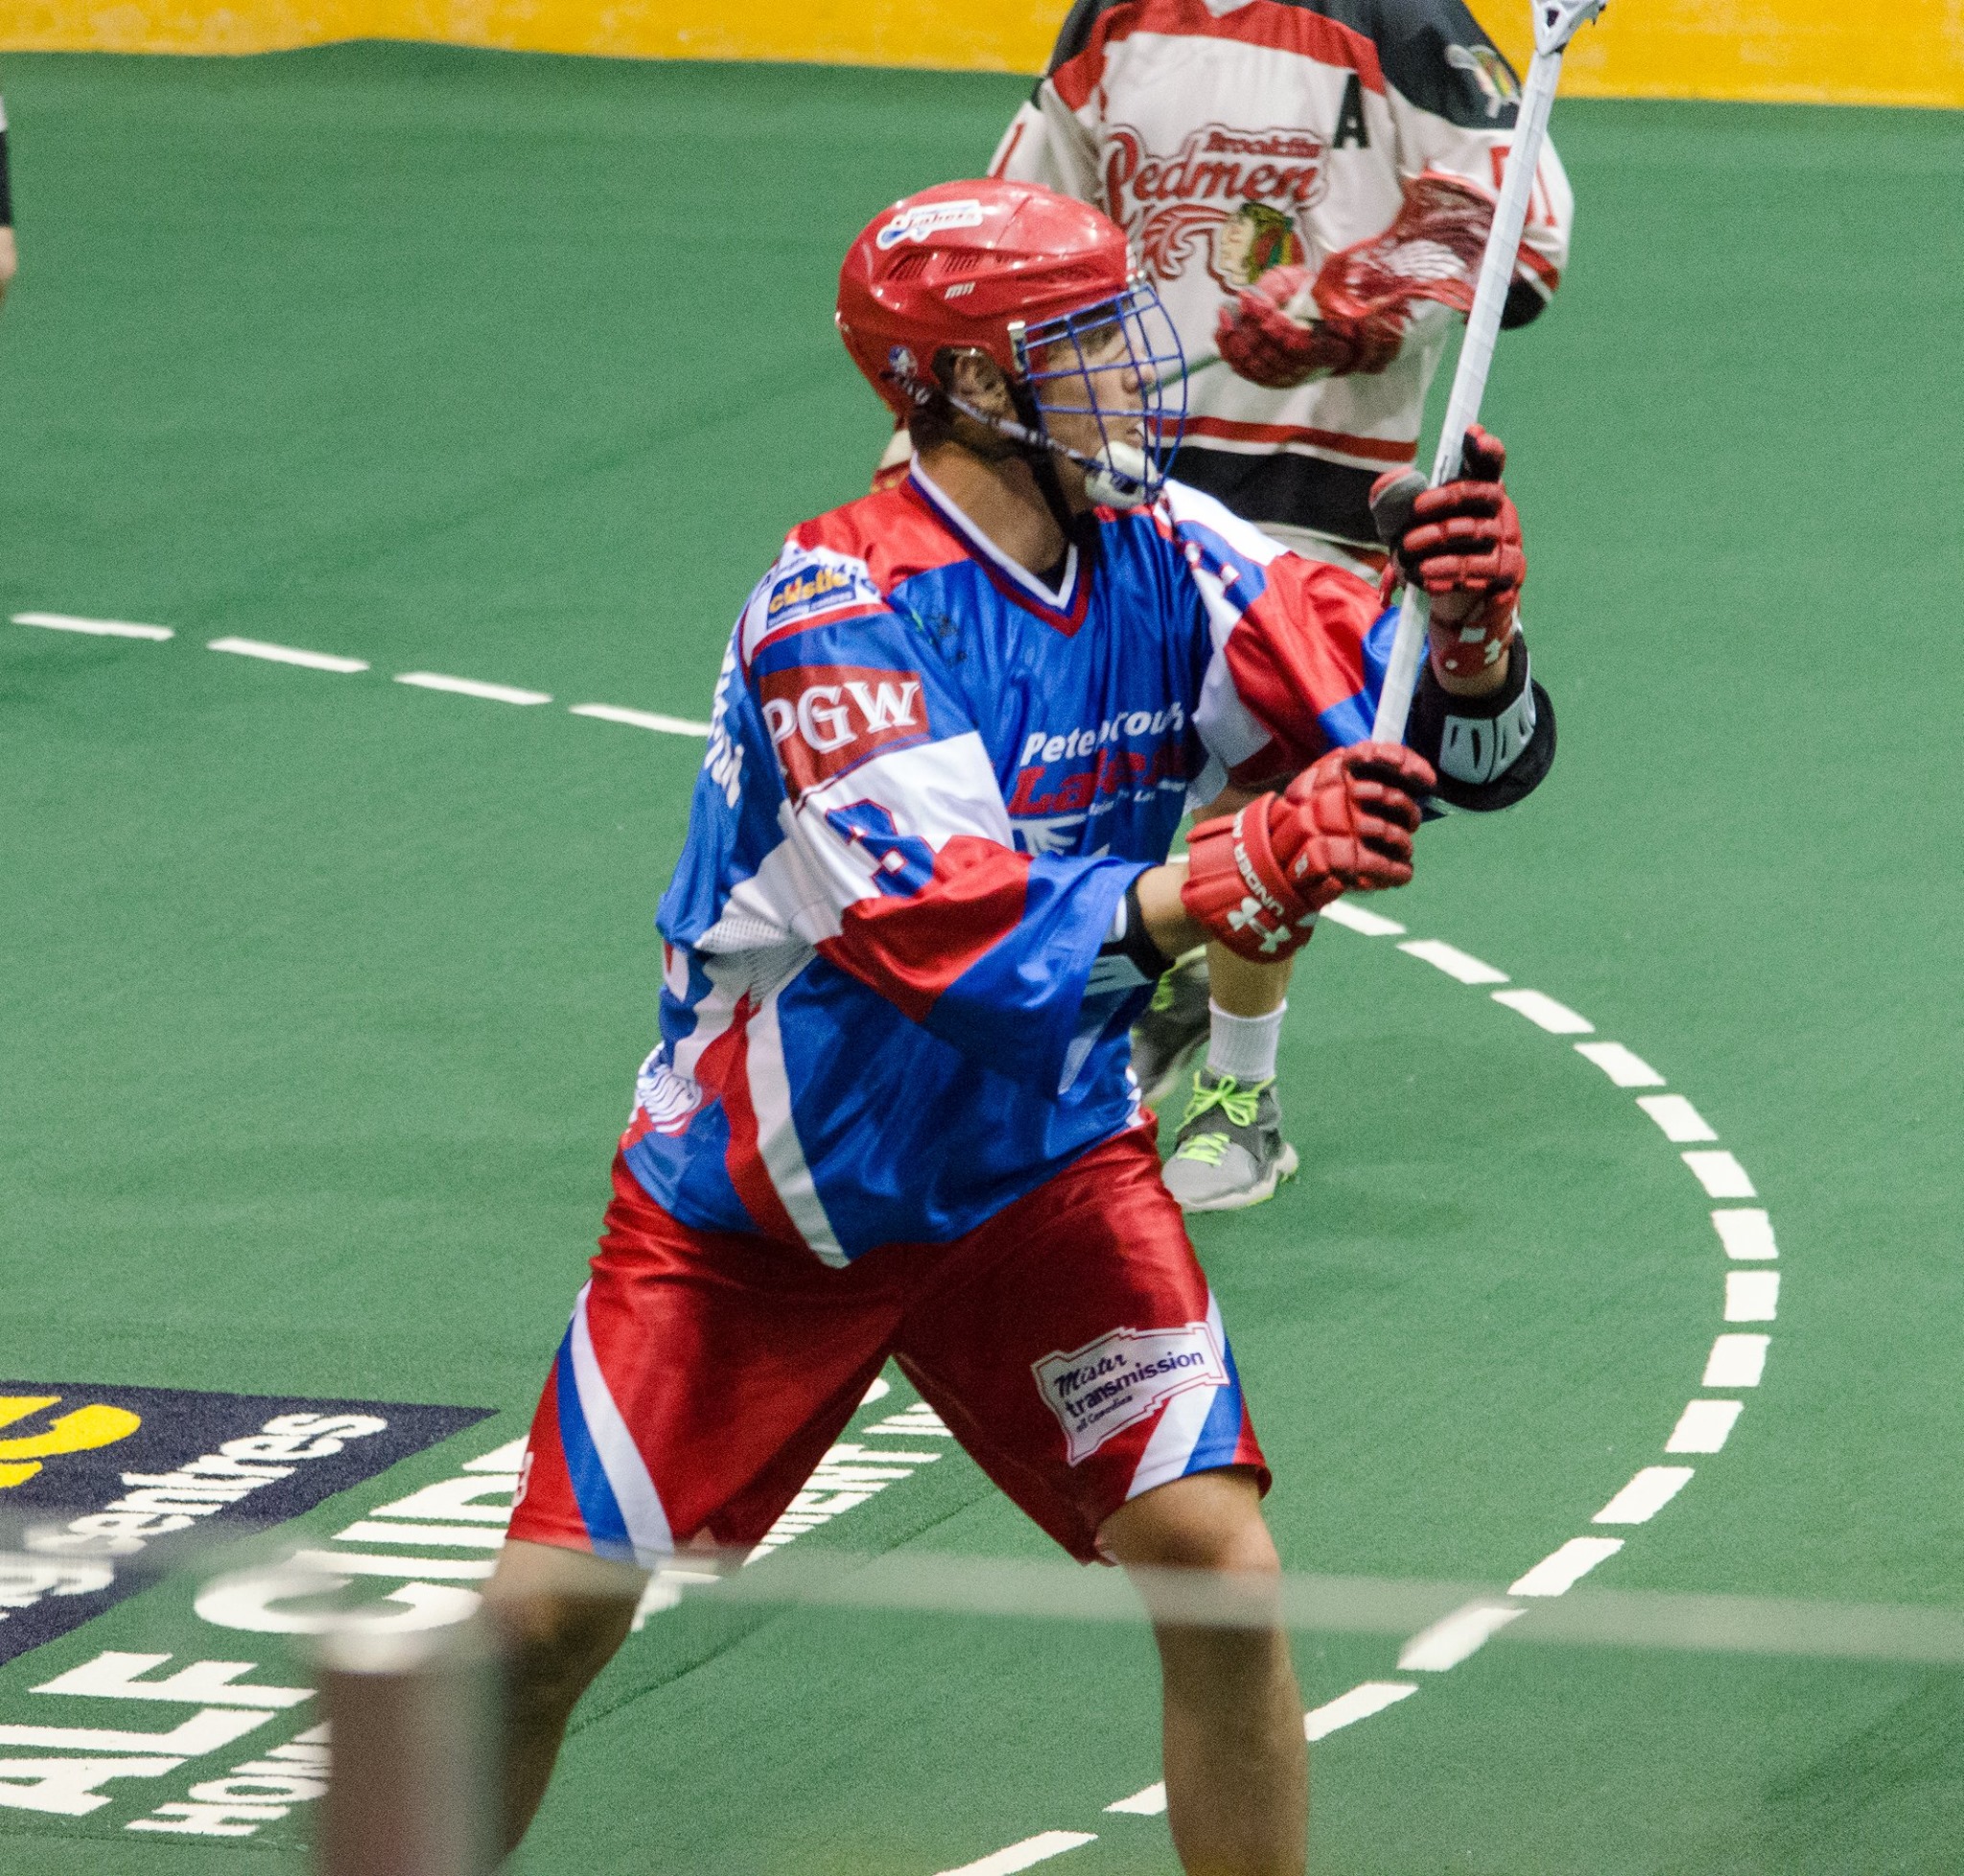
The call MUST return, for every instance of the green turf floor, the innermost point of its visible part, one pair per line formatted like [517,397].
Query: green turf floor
[320,995]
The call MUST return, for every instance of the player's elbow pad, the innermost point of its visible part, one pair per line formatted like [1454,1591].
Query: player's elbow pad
[1490,751]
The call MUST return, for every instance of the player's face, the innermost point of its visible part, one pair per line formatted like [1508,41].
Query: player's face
[1101,394]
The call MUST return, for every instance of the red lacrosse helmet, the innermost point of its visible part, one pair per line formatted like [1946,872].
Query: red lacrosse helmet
[957,264]
[1026,276]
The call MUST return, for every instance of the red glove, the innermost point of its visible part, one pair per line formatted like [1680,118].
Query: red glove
[1260,340]
[1345,823]
[1461,539]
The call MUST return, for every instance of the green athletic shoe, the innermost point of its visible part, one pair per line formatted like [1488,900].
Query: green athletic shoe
[1231,1152]
[1175,1024]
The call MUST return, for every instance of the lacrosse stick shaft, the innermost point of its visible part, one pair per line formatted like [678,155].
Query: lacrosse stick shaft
[1470,378]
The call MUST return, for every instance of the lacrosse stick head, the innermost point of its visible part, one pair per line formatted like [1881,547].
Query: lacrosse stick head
[1431,251]
[1556,21]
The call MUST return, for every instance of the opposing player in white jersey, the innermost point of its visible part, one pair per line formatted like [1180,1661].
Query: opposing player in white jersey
[1309,186]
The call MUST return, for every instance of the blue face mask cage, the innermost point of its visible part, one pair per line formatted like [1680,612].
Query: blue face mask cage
[1115,360]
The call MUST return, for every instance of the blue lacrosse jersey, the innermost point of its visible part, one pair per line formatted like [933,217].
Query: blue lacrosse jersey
[885,1014]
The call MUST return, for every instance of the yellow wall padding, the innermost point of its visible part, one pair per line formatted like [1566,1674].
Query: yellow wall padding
[1912,52]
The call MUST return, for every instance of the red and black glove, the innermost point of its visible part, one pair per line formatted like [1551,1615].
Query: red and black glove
[1462,538]
[1257,880]
[1262,341]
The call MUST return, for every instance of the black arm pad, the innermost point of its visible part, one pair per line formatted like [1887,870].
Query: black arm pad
[1136,943]
[1490,751]
[1526,303]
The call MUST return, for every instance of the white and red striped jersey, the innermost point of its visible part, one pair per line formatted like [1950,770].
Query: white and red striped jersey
[1229,136]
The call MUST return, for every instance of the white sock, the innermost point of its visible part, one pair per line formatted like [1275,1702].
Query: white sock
[1243,1047]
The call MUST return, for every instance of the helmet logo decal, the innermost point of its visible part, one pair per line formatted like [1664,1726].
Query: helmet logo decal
[924,219]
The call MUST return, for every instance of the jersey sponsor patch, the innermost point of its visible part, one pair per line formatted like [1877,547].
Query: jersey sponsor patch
[1124,1377]
[824,719]
[99,1474]
[814,585]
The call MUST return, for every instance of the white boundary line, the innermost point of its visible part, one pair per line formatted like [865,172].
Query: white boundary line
[329,661]
[99,628]
[289,654]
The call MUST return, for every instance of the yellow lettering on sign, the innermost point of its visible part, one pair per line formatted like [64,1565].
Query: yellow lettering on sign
[79,1432]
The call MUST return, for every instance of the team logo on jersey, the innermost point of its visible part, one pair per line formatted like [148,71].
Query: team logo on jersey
[1061,779]
[827,718]
[1123,1378]
[664,1100]
[1490,72]
[91,1477]
[1231,198]
[1251,241]
[924,219]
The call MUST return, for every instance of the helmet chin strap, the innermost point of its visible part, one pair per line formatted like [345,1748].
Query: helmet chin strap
[1037,453]
[1115,478]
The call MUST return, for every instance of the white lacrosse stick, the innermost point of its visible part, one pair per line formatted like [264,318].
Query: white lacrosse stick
[1555,24]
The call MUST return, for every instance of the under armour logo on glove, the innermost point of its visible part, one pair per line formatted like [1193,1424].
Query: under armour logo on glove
[1345,823]
[1258,921]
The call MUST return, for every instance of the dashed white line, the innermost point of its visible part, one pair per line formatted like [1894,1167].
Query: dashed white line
[1745,1233]
[1031,1851]
[1319,1723]
[1620,1064]
[99,628]
[456,1536]
[1372,924]
[1359,1703]
[641,719]
[1676,1117]
[1557,1573]
[1720,1175]
[1752,1296]
[1704,1426]
[1557,1018]
[287,654]
[366,1563]
[1735,1361]
[1645,1495]
[1453,961]
[471,687]
[1453,1637]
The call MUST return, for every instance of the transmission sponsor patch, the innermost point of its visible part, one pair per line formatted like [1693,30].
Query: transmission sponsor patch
[1123,1378]
[93,1475]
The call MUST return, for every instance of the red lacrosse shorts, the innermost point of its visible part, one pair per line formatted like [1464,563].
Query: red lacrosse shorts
[1070,1343]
